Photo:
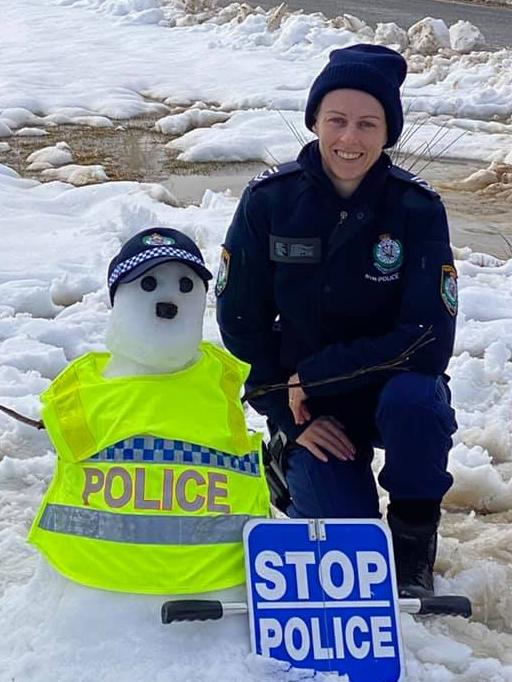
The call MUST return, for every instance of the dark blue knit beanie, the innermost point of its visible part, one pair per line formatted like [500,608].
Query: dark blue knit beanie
[375,69]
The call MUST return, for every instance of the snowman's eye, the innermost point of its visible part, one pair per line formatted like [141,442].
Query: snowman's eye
[186,285]
[148,283]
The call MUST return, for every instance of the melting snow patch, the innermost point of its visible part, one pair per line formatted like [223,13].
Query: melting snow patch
[31,132]
[50,157]
[76,174]
[194,118]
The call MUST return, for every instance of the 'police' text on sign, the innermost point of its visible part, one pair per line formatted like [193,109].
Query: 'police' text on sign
[322,595]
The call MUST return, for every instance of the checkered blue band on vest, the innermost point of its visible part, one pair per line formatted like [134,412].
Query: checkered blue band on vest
[162,451]
[155,252]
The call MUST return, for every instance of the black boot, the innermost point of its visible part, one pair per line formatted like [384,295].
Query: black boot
[415,553]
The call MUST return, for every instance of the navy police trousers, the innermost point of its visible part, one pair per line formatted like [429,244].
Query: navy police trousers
[411,418]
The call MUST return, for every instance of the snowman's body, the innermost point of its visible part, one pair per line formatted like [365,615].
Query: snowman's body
[156,500]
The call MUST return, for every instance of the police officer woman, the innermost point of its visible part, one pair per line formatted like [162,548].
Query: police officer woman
[335,265]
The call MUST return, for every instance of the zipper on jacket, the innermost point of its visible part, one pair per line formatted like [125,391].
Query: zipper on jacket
[343,215]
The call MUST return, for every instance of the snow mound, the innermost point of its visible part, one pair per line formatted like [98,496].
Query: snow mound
[184,13]
[428,36]
[69,288]
[477,484]
[268,136]
[464,37]
[178,124]
[159,193]
[7,172]
[391,35]
[30,296]
[495,180]
[90,120]
[474,304]
[31,132]
[57,155]
[19,117]
[477,258]
[5,131]
[76,175]
[29,354]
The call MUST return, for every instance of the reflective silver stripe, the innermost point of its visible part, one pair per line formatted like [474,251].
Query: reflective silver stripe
[143,529]
[160,451]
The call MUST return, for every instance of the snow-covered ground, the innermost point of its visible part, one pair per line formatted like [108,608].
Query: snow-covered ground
[129,58]
[91,61]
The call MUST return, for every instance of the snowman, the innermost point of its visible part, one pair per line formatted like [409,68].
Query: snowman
[156,471]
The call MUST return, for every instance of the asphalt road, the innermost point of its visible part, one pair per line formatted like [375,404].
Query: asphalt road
[494,22]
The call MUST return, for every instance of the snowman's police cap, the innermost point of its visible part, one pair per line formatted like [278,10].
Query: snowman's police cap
[149,248]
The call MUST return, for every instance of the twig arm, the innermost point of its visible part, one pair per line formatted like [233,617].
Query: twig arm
[397,363]
[36,423]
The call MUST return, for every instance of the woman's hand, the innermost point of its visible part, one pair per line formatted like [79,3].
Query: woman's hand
[326,433]
[297,401]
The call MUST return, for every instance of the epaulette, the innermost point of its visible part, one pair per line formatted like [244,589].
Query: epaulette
[273,173]
[412,179]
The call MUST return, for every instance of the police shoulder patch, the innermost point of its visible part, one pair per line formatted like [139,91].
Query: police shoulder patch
[223,273]
[274,172]
[449,293]
[406,176]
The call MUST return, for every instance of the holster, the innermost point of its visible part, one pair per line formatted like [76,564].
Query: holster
[274,462]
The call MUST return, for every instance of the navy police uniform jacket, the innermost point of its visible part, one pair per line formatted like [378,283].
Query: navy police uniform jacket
[327,286]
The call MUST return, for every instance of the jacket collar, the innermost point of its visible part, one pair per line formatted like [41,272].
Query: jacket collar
[368,191]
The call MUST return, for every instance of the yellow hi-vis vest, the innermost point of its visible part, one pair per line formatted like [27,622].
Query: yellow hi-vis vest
[156,476]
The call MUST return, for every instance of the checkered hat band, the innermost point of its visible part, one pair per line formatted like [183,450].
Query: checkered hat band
[156,252]
[149,449]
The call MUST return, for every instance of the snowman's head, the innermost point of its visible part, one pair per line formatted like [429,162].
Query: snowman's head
[157,286]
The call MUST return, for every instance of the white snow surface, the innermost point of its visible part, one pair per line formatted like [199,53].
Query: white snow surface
[51,629]
[101,59]
[138,63]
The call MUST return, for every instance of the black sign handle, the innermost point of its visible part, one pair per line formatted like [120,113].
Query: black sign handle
[205,609]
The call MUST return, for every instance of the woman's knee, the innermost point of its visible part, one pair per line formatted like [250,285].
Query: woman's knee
[330,489]
[413,406]
[409,391]
[406,388]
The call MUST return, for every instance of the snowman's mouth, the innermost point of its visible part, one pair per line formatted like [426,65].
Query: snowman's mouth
[166,310]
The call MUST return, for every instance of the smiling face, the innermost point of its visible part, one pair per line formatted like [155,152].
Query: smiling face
[351,129]
[157,321]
